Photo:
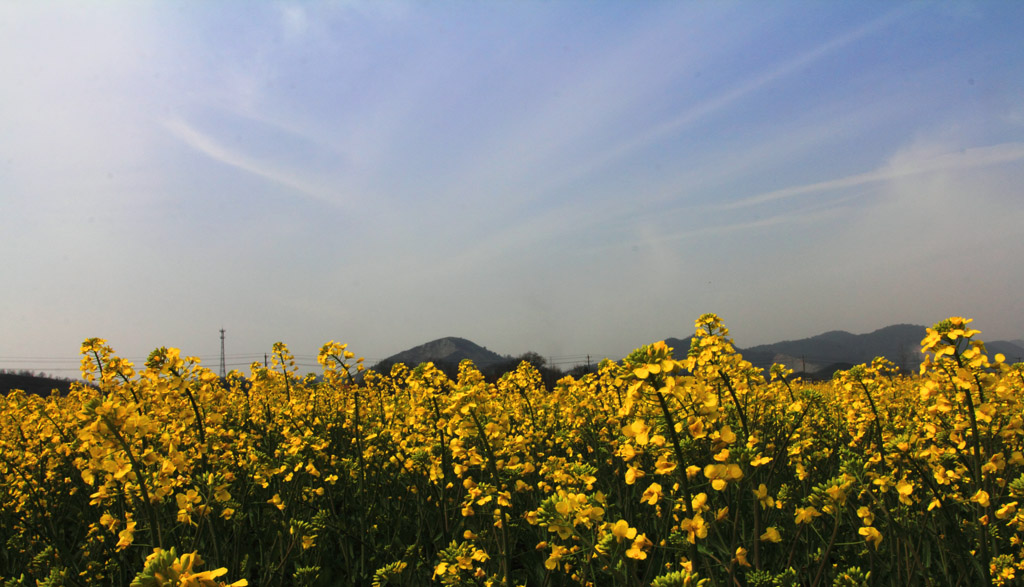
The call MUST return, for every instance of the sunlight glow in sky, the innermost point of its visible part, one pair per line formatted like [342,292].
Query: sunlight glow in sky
[570,178]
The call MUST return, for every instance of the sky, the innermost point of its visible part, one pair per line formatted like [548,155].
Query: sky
[569,178]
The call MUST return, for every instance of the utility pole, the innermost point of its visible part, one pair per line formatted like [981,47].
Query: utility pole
[223,368]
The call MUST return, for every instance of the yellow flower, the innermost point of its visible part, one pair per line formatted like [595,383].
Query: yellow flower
[652,494]
[741,557]
[696,428]
[182,572]
[638,431]
[801,472]
[727,435]
[126,537]
[720,475]
[771,534]
[837,493]
[1007,510]
[632,474]
[563,507]
[109,521]
[904,488]
[871,535]
[695,528]
[699,502]
[187,499]
[638,548]
[621,530]
[557,551]
[276,501]
[664,466]
[981,498]
[806,515]
[864,512]
[442,568]
[763,498]
[721,514]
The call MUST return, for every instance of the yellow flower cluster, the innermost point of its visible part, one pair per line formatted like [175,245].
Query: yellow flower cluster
[666,468]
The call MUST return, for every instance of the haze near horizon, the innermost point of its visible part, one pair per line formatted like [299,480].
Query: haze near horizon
[569,178]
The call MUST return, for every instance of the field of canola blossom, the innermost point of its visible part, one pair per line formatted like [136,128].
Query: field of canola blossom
[668,468]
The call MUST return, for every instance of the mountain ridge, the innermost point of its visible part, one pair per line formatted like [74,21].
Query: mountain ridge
[449,350]
[823,354]
[815,356]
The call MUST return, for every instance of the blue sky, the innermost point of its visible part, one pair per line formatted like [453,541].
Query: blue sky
[571,178]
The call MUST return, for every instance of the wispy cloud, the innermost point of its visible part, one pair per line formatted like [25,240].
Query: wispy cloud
[721,229]
[965,159]
[217,151]
[722,101]
[568,138]
[294,20]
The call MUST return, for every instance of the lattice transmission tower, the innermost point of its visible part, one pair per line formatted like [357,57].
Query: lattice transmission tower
[223,369]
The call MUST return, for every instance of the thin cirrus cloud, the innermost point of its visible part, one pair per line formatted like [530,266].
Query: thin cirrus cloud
[266,169]
[710,107]
[962,160]
[607,211]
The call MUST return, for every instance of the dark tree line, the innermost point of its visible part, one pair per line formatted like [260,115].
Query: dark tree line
[32,382]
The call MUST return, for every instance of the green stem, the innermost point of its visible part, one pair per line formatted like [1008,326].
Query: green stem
[140,475]
[828,550]
[976,468]
[506,555]
[200,425]
[681,460]
[445,467]
[739,407]
[877,423]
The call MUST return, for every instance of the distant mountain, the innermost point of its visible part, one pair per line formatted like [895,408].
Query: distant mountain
[900,343]
[1013,350]
[450,350]
[825,353]
[818,356]
[679,346]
